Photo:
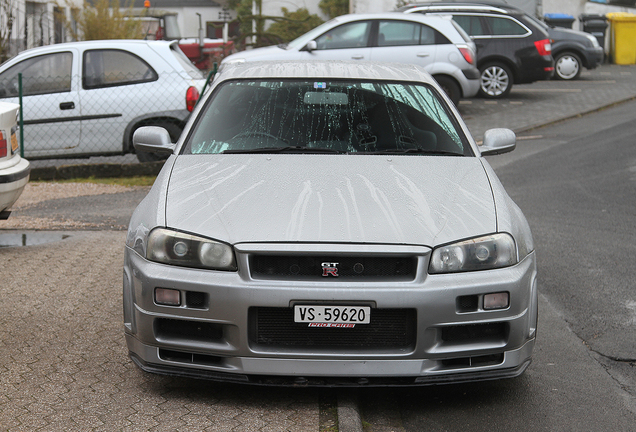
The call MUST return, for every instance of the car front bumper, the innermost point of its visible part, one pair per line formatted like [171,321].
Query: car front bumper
[218,340]
[593,57]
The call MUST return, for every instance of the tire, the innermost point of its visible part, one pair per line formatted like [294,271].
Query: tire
[173,130]
[495,80]
[450,87]
[567,66]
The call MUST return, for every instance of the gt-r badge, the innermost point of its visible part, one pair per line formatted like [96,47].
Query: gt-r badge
[330,269]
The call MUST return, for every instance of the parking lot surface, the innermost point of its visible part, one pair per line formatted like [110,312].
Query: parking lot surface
[63,359]
[64,364]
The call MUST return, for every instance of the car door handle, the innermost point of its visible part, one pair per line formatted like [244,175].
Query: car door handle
[67,105]
[423,54]
[357,56]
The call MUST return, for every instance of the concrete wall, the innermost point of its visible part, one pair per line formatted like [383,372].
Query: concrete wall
[273,7]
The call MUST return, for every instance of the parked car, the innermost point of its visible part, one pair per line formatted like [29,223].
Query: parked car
[572,50]
[14,170]
[512,48]
[439,45]
[329,223]
[88,98]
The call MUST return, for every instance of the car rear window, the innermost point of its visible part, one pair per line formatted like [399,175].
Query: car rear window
[113,67]
[506,27]
[338,116]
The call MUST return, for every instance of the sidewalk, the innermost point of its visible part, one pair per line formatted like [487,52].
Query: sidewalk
[543,102]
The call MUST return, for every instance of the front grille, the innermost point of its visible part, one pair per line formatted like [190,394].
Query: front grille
[313,267]
[389,329]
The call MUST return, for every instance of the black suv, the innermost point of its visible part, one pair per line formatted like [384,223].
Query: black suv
[512,47]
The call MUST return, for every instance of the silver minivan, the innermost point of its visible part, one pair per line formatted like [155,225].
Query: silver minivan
[438,44]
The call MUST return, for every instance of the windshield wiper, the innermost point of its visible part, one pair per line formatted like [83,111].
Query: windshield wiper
[414,151]
[286,149]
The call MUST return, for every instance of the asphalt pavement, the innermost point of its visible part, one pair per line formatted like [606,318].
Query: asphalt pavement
[63,364]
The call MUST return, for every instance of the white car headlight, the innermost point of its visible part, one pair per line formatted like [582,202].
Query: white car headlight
[187,250]
[593,40]
[480,253]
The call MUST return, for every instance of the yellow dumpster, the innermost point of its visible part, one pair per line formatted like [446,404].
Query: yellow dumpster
[623,37]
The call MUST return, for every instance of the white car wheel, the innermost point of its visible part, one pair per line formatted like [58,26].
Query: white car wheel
[567,66]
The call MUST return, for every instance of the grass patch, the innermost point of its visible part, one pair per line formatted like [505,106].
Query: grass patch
[120,181]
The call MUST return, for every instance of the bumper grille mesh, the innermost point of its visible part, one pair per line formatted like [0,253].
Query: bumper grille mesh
[311,267]
[389,329]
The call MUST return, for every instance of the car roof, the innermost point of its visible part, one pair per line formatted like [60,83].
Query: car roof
[313,69]
[110,43]
[430,20]
[468,6]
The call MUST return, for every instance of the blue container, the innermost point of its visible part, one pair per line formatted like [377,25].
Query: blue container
[559,20]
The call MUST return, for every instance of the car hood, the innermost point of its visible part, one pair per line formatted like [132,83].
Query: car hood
[416,200]
[563,34]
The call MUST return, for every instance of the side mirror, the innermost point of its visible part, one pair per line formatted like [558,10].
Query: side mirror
[498,141]
[311,45]
[153,139]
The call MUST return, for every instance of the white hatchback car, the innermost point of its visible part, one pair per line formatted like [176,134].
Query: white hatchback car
[14,170]
[88,98]
[437,44]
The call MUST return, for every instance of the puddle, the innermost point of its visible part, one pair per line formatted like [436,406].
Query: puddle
[15,239]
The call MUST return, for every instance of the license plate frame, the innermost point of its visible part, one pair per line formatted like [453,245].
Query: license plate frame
[332,314]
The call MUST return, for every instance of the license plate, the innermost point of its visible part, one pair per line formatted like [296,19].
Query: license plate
[332,316]
[14,143]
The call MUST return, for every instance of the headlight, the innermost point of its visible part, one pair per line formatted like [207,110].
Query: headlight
[481,253]
[187,250]
[593,40]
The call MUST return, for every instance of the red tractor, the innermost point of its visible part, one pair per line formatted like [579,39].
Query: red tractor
[202,52]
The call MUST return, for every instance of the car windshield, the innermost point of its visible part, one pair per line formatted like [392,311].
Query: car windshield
[326,116]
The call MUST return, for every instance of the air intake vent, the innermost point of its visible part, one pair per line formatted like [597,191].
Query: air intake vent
[389,328]
[171,329]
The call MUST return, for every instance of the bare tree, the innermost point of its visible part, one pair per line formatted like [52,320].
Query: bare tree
[7,20]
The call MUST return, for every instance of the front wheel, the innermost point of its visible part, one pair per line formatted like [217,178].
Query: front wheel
[173,130]
[567,66]
[450,87]
[496,80]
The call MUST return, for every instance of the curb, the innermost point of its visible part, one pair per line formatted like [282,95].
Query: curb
[349,418]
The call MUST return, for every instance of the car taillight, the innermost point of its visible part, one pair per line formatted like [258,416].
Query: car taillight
[468,55]
[544,47]
[3,144]
[192,96]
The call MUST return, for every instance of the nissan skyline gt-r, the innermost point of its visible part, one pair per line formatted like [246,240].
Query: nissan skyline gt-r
[329,223]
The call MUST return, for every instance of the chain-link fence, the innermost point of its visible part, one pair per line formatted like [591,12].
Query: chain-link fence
[69,116]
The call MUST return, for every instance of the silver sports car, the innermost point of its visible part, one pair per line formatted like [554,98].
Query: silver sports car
[329,223]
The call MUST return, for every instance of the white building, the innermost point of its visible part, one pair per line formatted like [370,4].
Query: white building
[27,24]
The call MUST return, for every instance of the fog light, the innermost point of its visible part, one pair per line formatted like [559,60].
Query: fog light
[496,301]
[166,296]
